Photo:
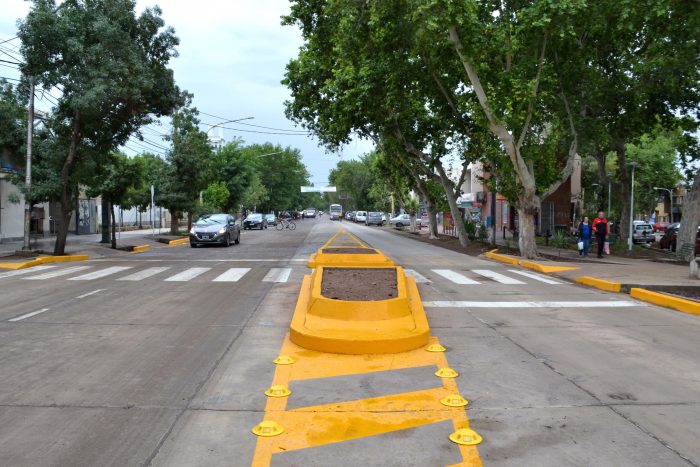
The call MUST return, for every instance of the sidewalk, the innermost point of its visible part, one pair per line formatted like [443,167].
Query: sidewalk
[87,244]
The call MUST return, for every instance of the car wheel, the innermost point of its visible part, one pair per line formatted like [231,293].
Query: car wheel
[238,238]
[193,245]
[227,243]
[399,224]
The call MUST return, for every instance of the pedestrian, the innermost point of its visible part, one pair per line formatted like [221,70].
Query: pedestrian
[600,227]
[585,232]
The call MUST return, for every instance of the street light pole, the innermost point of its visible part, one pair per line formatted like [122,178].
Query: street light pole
[609,191]
[28,170]
[629,239]
[670,197]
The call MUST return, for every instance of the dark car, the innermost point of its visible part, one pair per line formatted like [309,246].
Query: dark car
[374,218]
[668,241]
[255,221]
[271,219]
[215,228]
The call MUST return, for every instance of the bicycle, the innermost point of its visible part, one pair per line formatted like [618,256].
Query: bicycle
[286,224]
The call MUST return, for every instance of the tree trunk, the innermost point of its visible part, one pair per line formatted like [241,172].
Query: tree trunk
[59,248]
[529,205]
[432,219]
[624,221]
[66,192]
[174,221]
[105,220]
[189,220]
[114,231]
[448,186]
[140,224]
[691,218]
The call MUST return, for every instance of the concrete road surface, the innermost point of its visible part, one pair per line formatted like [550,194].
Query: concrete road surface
[161,358]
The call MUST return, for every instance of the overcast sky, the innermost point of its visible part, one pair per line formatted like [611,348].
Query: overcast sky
[232,57]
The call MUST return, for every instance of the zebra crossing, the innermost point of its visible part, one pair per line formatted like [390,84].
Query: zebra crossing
[174,274]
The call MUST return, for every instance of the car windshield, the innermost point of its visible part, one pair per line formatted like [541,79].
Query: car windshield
[643,227]
[269,216]
[254,217]
[375,214]
[210,220]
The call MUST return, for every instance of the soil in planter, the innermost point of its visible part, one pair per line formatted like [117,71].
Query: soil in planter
[349,251]
[359,284]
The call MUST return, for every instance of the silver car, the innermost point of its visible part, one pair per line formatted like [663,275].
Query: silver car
[218,229]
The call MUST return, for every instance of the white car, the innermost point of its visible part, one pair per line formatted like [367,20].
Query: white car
[360,216]
[404,220]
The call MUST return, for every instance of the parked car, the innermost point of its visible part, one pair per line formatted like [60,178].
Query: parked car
[360,216]
[643,233]
[403,220]
[350,216]
[668,241]
[255,221]
[374,218]
[271,219]
[660,226]
[215,228]
[309,212]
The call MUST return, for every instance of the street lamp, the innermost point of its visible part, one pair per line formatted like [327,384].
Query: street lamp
[609,191]
[670,196]
[629,239]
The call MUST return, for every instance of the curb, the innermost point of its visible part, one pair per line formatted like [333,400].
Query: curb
[141,248]
[44,260]
[668,301]
[601,284]
[179,241]
[502,258]
[525,263]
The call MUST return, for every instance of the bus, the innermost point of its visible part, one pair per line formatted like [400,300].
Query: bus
[335,211]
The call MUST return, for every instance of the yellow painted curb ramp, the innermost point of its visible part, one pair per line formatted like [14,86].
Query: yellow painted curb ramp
[44,260]
[359,327]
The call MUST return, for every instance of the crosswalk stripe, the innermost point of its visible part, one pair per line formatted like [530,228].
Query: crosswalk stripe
[57,273]
[497,277]
[20,272]
[187,274]
[99,274]
[146,273]
[420,278]
[454,276]
[277,275]
[232,275]
[537,277]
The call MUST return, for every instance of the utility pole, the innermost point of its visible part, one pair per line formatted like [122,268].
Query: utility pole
[28,174]
[629,239]
[609,191]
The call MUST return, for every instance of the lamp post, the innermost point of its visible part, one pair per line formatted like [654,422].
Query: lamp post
[629,238]
[670,197]
[609,191]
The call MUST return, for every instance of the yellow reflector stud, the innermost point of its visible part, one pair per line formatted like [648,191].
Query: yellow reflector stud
[284,360]
[278,391]
[435,348]
[454,400]
[466,437]
[446,373]
[267,428]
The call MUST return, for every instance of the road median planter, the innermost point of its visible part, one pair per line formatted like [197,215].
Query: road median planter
[349,256]
[362,310]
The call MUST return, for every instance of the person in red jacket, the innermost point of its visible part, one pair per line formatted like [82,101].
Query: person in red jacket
[601,229]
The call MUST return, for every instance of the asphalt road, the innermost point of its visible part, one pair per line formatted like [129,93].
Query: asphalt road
[161,358]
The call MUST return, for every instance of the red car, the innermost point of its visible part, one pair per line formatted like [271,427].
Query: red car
[668,241]
[660,226]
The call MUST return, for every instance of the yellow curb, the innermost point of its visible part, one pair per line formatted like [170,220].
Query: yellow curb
[668,301]
[600,283]
[349,259]
[502,258]
[359,327]
[544,268]
[179,241]
[140,248]
[44,260]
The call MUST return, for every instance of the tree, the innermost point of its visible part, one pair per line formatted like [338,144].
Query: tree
[115,182]
[690,161]
[282,173]
[13,126]
[111,68]
[190,164]
[256,194]
[236,169]
[153,169]
[216,195]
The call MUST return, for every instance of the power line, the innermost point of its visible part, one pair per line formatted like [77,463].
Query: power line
[8,61]
[10,39]
[256,126]
[150,143]
[11,79]
[260,132]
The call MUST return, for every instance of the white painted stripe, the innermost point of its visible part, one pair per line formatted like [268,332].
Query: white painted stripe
[497,277]
[454,276]
[57,273]
[535,276]
[187,274]
[20,272]
[146,273]
[90,293]
[28,315]
[578,304]
[420,278]
[232,275]
[237,260]
[277,275]
[99,274]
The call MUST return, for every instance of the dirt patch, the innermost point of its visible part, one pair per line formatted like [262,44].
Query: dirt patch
[349,251]
[359,284]
[693,295]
